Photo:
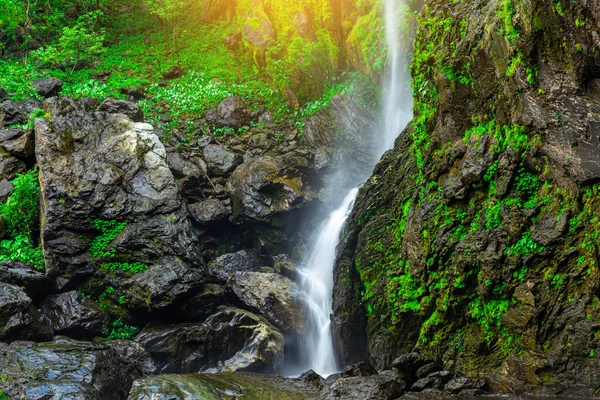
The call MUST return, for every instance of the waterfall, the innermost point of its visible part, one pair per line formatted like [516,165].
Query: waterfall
[317,351]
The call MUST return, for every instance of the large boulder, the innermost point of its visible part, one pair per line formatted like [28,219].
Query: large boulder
[47,87]
[224,266]
[272,295]
[225,385]
[10,166]
[203,302]
[19,318]
[264,188]
[190,170]
[98,167]
[114,106]
[17,273]
[68,369]
[229,340]
[12,113]
[18,142]
[220,161]
[73,315]
[232,112]
[373,387]
[209,211]
[164,283]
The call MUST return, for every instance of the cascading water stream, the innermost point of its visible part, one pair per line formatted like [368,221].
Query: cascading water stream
[317,351]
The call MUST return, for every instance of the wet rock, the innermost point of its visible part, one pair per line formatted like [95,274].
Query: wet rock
[220,161]
[19,319]
[427,369]
[549,229]
[229,340]
[208,211]
[445,376]
[114,106]
[224,266]
[12,113]
[203,302]
[359,369]
[457,385]
[426,383]
[134,356]
[18,142]
[261,189]
[410,362]
[20,274]
[312,378]
[73,315]
[164,283]
[99,166]
[66,369]
[186,165]
[272,295]
[374,387]
[232,112]
[285,266]
[190,169]
[225,385]
[47,87]
[10,166]
[133,94]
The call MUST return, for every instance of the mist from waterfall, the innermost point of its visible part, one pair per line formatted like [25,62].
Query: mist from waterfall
[316,344]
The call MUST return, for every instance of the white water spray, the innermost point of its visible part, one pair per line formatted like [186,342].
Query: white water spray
[317,351]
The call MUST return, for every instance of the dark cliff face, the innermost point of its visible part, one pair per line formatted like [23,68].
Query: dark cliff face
[476,239]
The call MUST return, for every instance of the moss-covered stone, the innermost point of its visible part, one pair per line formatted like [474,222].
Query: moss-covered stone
[475,241]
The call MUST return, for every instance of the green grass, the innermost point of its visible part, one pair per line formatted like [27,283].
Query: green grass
[21,218]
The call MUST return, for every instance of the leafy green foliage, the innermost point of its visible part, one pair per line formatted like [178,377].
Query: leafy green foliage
[21,217]
[132,268]
[21,249]
[109,230]
[119,330]
[525,246]
[20,211]
[488,314]
[79,44]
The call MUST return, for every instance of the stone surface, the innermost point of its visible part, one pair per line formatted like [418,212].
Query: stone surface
[224,266]
[18,143]
[229,340]
[10,166]
[204,302]
[17,112]
[221,386]
[73,315]
[68,369]
[99,166]
[19,274]
[208,211]
[163,284]
[263,188]
[114,106]
[274,296]
[232,112]
[374,387]
[47,87]
[19,318]
[219,160]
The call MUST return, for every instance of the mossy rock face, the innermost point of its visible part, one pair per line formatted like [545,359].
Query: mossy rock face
[476,239]
[222,386]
